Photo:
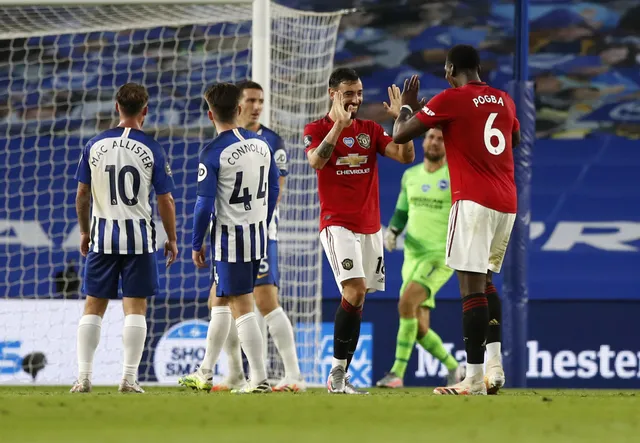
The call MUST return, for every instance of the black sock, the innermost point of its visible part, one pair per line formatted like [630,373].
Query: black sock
[475,323]
[353,344]
[495,314]
[347,318]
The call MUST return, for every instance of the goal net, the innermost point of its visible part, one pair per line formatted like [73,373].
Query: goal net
[59,69]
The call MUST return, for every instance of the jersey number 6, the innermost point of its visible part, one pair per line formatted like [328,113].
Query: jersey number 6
[490,132]
[245,198]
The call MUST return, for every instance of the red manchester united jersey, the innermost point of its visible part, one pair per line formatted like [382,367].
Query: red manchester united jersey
[348,183]
[477,122]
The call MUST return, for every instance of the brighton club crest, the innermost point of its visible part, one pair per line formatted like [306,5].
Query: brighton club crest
[364,140]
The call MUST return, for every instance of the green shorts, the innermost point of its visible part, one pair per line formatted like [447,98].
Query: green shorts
[423,270]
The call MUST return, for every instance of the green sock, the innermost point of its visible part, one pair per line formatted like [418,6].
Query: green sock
[432,343]
[407,333]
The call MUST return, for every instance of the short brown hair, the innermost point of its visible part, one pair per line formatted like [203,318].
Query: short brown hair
[223,100]
[249,84]
[132,98]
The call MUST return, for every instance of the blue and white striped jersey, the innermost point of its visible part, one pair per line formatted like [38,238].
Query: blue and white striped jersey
[280,155]
[121,165]
[239,172]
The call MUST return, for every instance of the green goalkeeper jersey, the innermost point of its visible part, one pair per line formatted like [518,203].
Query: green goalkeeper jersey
[426,198]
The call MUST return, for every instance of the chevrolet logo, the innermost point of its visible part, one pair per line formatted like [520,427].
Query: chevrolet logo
[352,160]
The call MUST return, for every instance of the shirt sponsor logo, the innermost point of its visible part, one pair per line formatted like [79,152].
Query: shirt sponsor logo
[352,160]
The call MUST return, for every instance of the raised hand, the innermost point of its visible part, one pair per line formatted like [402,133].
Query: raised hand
[410,93]
[342,115]
[395,102]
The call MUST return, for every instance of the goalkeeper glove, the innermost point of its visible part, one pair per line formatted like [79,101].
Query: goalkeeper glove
[390,239]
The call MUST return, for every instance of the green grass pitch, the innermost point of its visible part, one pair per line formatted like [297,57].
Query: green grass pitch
[51,414]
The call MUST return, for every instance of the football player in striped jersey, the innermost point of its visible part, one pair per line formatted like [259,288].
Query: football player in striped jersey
[117,170]
[237,192]
[266,287]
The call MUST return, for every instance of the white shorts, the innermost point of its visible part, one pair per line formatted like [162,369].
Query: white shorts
[478,237]
[354,255]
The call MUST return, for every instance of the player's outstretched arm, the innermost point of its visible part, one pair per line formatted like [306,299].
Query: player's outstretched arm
[167,210]
[403,153]
[318,157]
[407,127]
[83,209]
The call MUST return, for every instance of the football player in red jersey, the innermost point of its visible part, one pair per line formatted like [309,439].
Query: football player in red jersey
[343,150]
[480,130]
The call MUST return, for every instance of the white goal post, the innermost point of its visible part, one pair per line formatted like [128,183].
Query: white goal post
[61,62]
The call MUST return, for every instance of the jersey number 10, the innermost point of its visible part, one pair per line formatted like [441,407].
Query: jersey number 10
[122,191]
[245,198]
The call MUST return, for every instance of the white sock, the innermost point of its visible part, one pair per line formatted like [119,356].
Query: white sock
[217,333]
[133,336]
[475,370]
[339,362]
[282,332]
[494,351]
[87,343]
[252,345]
[234,352]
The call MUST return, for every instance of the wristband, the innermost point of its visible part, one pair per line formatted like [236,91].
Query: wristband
[409,108]
[394,230]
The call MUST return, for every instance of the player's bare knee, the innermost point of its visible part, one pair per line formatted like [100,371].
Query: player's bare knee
[215,302]
[95,306]
[134,306]
[406,308]
[471,282]
[423,315]
[413,295]
[354,291]
[212,300]
[266,298]
[241,304]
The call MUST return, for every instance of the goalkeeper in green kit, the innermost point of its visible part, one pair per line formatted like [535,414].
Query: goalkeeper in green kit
[423,209]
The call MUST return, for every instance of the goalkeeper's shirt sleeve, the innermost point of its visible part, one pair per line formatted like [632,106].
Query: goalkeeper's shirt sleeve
[401,214]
